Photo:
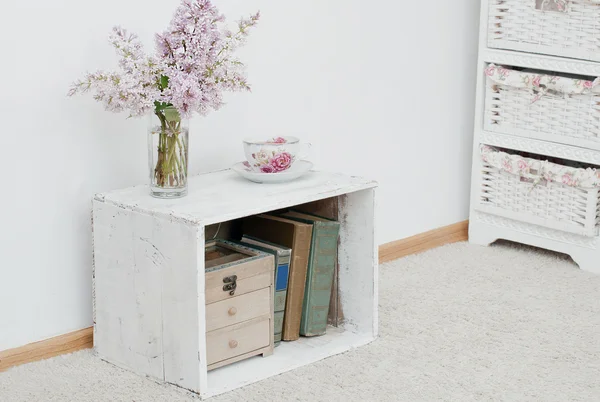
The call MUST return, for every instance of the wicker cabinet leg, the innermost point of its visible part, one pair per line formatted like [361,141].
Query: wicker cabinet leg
[588,260]
[481,234]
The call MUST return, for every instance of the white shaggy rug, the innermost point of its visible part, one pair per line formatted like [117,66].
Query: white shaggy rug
[459,323]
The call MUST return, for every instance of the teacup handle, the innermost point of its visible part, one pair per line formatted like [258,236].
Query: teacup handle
[304,150]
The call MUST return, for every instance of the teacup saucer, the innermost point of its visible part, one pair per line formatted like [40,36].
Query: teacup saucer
[298,169]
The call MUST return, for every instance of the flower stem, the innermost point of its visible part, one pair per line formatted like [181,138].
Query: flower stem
[171,163]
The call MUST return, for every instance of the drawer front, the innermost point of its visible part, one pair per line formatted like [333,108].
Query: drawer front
[566,29]
[248,278]
[515,194]
[238,309]
[243,287]
[559,115]
[239,339]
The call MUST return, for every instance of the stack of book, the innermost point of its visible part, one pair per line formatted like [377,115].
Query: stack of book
[305,250]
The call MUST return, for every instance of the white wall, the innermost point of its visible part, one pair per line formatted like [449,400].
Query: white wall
[382,89]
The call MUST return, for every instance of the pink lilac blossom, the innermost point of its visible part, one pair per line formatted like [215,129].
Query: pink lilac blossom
[192,67]
[133,88]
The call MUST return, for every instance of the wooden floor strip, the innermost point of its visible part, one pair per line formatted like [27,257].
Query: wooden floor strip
[424,241]
[45,349]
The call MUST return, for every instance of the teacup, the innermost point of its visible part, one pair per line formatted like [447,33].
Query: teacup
[275,155]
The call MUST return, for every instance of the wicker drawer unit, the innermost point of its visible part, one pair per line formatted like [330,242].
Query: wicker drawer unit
[538,103]
[557,107]
[564,28]
[239,303]
[553,193]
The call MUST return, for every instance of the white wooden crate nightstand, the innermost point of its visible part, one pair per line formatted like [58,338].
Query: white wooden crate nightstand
[149,281]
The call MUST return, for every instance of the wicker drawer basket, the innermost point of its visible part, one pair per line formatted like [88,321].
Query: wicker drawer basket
[565,28]
[554,193]
[555,107]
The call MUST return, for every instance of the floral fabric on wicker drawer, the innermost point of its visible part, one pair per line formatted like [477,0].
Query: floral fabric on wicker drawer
[550,106]
[541,83]
[552,5]
[557,5]
[541,170]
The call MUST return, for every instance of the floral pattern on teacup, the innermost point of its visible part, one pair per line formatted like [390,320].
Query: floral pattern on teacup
[273,162]
[277,140]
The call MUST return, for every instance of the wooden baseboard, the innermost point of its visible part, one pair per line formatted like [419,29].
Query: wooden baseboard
[83,339]
[424,241]
[59,345]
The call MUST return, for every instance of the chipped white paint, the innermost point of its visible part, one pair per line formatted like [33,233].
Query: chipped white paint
[146,284]
[149,276]
[223,195]
[358,285]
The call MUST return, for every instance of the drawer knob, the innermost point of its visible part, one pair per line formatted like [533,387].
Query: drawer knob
[232,311]
[233,344]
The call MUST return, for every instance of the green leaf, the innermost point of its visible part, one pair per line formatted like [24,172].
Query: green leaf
[171,114]
[160,106]
[164,82]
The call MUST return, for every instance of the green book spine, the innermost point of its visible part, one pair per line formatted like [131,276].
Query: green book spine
[319,278]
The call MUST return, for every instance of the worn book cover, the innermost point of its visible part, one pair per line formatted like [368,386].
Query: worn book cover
[282,264]
[321,269]
[296,236]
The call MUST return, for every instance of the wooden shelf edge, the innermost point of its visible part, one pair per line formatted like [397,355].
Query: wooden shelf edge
[59,345]
[424,241]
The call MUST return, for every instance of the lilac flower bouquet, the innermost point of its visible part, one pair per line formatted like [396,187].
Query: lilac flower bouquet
[192,67]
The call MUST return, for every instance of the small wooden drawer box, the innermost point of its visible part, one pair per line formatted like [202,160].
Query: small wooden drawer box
[239,303]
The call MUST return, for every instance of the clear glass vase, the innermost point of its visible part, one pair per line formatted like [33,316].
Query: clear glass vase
[168,153]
